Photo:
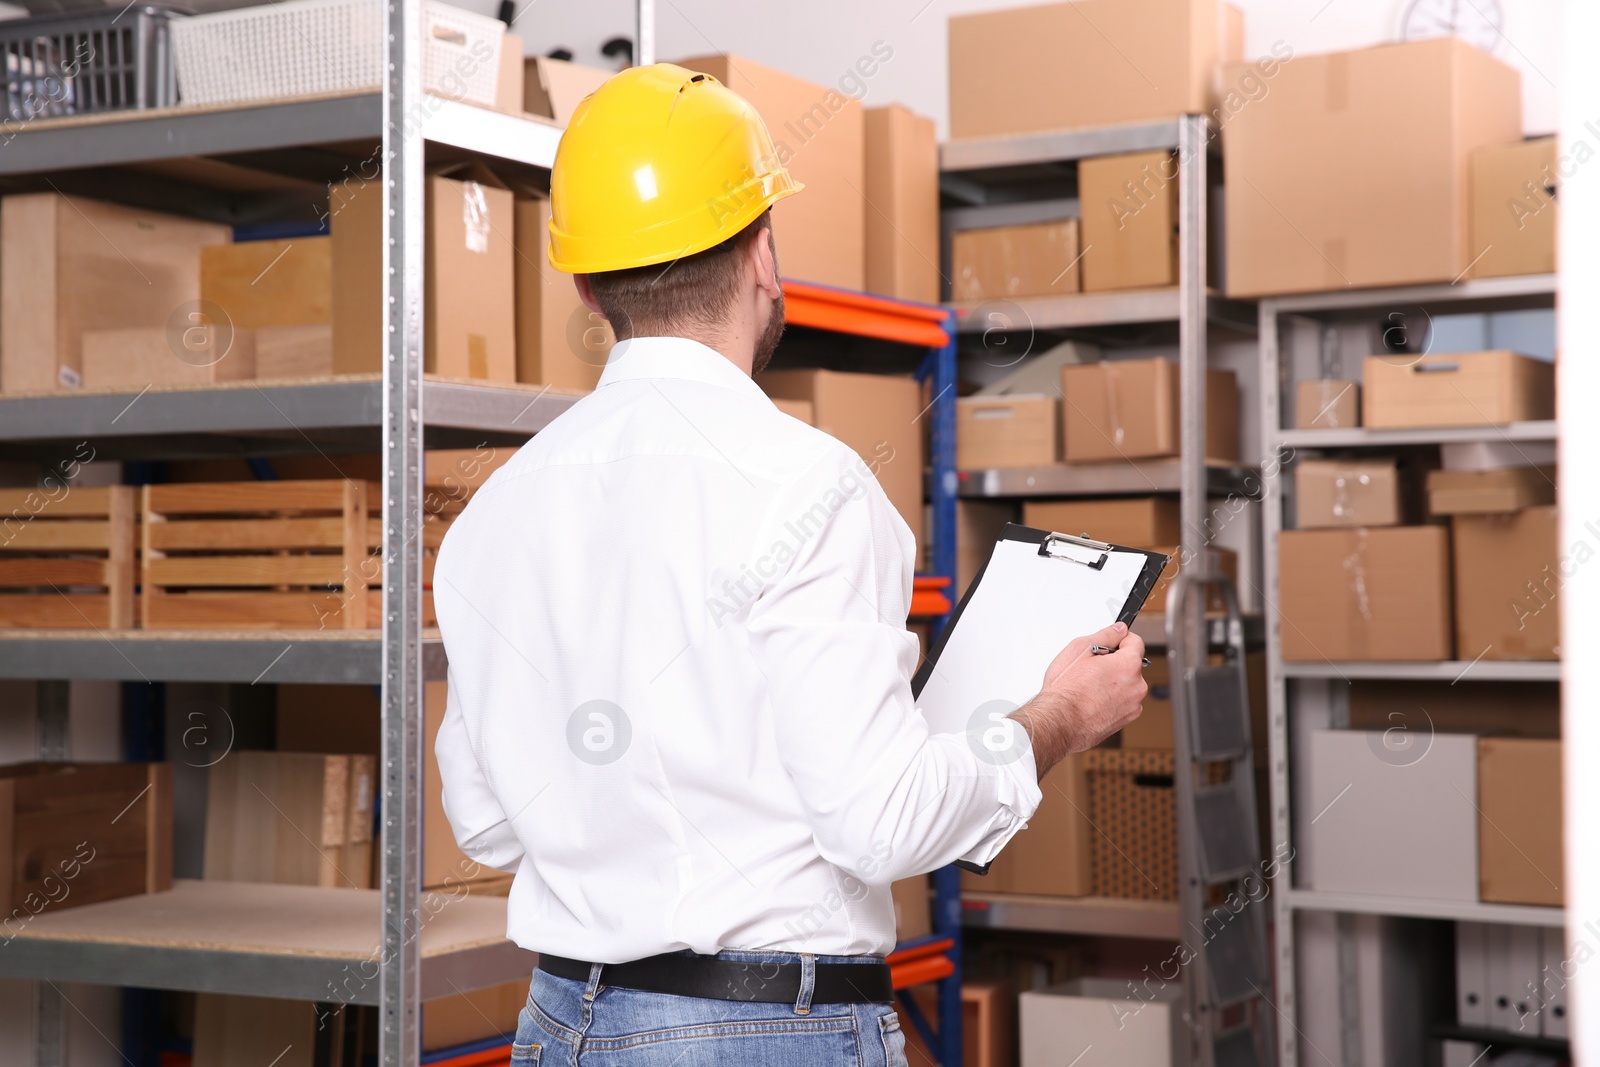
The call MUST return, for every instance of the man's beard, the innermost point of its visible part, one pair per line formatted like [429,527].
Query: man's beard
[767,343]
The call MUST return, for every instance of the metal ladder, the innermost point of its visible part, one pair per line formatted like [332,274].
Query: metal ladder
[1222,881]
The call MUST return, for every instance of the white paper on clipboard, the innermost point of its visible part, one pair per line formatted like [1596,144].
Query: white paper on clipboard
[1025,607]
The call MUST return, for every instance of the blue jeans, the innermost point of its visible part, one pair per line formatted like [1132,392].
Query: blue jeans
[568,1023]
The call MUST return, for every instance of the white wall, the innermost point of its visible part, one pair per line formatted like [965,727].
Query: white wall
[820,39]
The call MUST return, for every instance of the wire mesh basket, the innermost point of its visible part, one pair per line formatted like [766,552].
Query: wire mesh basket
[82,62]
[313,47]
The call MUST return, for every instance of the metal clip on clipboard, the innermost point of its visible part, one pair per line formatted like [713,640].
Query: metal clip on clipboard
[1062,546]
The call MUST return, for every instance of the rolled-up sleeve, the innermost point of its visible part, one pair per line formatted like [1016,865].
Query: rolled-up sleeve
[480,825]
[884,796]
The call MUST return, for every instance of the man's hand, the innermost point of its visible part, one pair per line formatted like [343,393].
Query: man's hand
[1086,697]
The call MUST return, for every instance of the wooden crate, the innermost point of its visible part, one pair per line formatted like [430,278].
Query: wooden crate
[67,561]
[269,555]
[82,833]
[291,818]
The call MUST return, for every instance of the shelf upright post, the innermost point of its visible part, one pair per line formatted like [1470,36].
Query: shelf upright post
[946,880]
[1273,383]
[400,970]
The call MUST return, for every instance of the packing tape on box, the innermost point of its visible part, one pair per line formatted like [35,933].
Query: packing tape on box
[1343,507]
[1355,565]
[475,217]
[1113,377]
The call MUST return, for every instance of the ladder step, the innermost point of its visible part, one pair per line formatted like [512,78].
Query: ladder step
[1220,712]
[1234,956]
[1228,847]
[1237,1049]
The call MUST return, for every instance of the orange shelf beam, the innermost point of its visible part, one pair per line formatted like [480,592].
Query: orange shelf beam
[928,596]
[864,315]
[921,963]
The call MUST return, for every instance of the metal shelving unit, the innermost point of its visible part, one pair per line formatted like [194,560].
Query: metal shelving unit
[1293,330]
[396,413]
[1032,178]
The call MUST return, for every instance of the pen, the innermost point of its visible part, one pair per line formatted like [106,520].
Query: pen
[1101,650]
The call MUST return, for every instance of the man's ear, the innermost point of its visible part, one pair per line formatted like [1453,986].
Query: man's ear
[586,293]
[764,257]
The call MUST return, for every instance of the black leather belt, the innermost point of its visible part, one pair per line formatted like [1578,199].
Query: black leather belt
[719,979]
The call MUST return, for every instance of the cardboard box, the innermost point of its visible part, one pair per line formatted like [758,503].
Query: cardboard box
[471,1017]
[294,351]
[819,135]
[559,341]
[141,356]
[230,1030]
[988,1025]
[1460,389]
[1514,209]
[1089,63]
[291,818]
[1515,709]
[1338,492]
[508,90]
[1130,221]
[270,283]
[913,916]
[1137,522]
[1327,404]
[1364,594]
[902,205]
[978,526]
[1227,561]
[875,414]
[1039,259]
[1133,854]
[1488,492]
[1051,855]
[796,409]
[82,833]
[1338,190]
[1013,431]
[1153,728]
[1104,1022]
[1129,409]
[553,88]
[1520,858]
[1394,814]
[1039,373]
[468,317]
[1508,578]
[71,266]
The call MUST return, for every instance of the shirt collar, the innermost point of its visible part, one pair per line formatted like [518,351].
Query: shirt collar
[675,357]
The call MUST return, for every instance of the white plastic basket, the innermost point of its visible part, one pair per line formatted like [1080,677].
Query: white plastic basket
[311,47]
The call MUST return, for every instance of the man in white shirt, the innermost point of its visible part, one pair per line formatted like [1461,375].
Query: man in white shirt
[680,705]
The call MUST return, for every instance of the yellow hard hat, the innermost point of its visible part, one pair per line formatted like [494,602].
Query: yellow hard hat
[658,163]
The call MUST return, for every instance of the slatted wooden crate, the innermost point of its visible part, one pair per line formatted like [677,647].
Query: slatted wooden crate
[268,555]
[82,833]
[67,561]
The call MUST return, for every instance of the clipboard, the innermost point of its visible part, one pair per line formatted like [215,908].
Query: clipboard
[1037,591]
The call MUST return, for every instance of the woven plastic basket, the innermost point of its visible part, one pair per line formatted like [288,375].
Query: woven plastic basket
[313,47]
[83,62]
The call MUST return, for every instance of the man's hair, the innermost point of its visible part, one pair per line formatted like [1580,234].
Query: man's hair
[692,293]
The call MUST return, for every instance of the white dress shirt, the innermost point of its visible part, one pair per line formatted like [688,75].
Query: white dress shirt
[680,705]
